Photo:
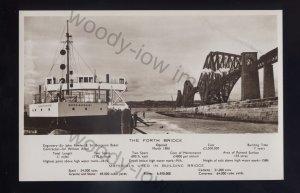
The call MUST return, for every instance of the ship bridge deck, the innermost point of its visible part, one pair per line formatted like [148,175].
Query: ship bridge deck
[86,86]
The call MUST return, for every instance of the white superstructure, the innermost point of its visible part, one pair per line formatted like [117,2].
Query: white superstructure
[77,94]
[85,83]
[67,109]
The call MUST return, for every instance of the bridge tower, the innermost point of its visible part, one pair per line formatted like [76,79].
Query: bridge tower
[269,86]
[188,94]
[179,99]
[249,76]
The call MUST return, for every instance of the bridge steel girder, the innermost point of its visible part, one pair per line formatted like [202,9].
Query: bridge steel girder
[216,87]
[269,58]
[215,84]
[212,85]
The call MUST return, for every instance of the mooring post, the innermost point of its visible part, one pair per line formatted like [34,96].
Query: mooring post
[125,122]
[40,93]
[107,91]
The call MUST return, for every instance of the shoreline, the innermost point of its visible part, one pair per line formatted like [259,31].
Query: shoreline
[175,114]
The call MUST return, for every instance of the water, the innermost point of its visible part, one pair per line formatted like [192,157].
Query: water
[167,125]
[161,124]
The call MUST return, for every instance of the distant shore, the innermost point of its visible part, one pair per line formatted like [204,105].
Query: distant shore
[256,111]
[151,104]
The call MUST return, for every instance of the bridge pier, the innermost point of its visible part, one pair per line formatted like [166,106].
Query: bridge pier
[188,94]
[179,99]
[215,87]
[249,76]
[269,86]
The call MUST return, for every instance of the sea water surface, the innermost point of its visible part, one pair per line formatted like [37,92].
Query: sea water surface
[162,124]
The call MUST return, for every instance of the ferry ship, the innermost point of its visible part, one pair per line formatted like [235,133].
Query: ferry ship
[76,103]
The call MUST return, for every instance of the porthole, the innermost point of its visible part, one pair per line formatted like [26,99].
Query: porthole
[100,109]
[73,108]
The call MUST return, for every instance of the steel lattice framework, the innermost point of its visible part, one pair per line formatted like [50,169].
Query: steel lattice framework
[219,77]
[220,73]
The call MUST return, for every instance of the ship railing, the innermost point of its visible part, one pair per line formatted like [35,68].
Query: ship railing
[112,81]
[87,96]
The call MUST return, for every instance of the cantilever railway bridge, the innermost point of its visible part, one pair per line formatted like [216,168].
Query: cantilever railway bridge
[222,70]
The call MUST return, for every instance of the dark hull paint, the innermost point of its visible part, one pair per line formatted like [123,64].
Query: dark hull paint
[105,124]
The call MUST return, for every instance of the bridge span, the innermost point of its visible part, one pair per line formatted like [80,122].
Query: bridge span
[222,70]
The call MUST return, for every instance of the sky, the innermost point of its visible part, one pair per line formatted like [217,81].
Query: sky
[181,41]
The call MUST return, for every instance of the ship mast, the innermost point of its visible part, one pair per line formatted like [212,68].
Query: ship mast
[68,55]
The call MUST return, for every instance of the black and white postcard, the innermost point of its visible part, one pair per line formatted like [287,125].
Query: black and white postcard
[150,95]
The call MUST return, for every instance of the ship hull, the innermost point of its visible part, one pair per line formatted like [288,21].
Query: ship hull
[103,124]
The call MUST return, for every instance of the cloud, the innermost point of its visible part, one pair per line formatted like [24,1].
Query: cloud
[31,75]
[178,40]
[232,36]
